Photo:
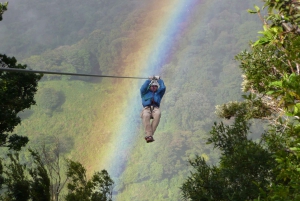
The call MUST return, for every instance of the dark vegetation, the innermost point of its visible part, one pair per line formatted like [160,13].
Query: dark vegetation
[267,169]
[51,100]
[16,94]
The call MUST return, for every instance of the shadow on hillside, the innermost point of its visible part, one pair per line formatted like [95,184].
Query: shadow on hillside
[25,114]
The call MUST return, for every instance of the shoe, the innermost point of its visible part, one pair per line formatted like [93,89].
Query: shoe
[149,139]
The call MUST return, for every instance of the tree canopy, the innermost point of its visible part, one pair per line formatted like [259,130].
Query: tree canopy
[271,79]
[98,188]
[16,94]
[3,8]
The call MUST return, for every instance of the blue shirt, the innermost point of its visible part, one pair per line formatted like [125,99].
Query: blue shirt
[148,96]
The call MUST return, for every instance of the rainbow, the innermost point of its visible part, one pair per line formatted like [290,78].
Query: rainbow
[153,45]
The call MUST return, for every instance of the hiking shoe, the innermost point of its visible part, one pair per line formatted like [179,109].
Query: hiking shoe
[149,139]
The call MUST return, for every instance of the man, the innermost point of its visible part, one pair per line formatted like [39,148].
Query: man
[152,92]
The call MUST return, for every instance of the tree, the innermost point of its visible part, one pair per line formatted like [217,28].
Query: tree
[243,170]
[271,74]
[98,188]
[51,99]
[31,180]
[53,163]
[40,184]
[23,183]
[16,94]
[271,69]
[16,180]
[3,8]
[36,179]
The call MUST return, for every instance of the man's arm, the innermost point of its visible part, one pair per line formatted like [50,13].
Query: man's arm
[162,88]
[144,87]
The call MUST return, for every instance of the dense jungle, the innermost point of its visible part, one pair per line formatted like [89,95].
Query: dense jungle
[214,141]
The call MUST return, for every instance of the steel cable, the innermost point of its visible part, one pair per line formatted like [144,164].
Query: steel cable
[62,73]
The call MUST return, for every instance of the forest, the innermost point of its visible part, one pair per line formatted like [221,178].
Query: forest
[230,116]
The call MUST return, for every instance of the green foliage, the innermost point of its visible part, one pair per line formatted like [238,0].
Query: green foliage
[283,143]
[3,8]
[16,94]
[205,184]
[252,107]
[243,171]
[288,92]
[50,99]
[23,183]
[25,114]
[98,188]
[2,179]
[271,73]
[276,53]
[40,184]
[187,115]
[74,125]
[16,180]
[32,180]
[197,77]
[64,59]
[283,88]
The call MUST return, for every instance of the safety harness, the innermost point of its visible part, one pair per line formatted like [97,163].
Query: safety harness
[153,105]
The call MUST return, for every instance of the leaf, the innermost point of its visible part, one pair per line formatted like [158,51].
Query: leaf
[276,84]
[289,114]
[257,8]
[297,105]
[270,92]
[293,94]
[251,11]
[296,110]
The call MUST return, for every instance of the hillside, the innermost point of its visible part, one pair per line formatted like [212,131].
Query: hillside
[97,120]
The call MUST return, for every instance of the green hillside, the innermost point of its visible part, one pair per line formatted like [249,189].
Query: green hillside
[88,38]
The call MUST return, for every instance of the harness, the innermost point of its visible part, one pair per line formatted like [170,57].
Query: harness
[153,105]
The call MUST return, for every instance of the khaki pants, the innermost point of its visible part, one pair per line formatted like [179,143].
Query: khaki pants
[150,126]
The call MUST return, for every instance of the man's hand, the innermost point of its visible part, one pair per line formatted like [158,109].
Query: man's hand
[154,77]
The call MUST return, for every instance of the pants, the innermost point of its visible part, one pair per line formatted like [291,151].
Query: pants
[150,126]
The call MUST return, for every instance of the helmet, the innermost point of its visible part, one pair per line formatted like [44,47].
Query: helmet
[154,83]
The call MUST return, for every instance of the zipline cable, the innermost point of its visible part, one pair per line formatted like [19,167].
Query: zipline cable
[62,73]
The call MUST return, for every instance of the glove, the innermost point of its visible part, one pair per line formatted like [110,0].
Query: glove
[156,77]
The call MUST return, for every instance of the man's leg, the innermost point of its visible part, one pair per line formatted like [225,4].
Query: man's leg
[146,115]
[156,118]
